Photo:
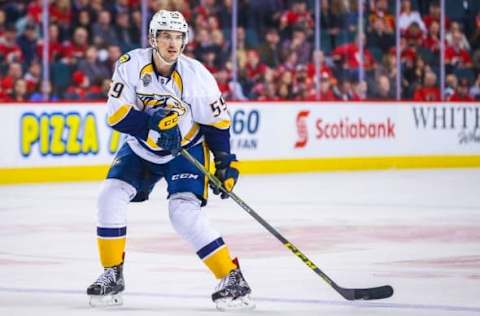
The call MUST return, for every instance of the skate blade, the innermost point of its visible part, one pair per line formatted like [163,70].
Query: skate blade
[105,300]
[244,303]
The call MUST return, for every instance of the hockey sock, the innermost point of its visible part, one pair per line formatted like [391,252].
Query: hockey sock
[217,258]
[111,245]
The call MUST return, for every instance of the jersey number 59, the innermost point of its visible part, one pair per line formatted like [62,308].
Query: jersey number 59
[218,107]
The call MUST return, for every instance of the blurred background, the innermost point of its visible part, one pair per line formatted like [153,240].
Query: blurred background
[272,50]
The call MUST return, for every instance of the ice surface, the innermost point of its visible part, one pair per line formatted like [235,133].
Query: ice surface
[418,230]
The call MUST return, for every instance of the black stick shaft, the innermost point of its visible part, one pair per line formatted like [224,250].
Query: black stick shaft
[349,294]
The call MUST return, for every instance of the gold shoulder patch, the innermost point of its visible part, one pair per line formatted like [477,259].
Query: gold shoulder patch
[124,58]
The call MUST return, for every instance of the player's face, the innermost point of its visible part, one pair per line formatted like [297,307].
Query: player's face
[169,44]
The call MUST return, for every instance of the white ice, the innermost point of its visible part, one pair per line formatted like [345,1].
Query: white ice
[418,230]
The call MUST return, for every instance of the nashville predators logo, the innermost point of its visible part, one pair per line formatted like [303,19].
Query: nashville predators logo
[165,101]
[124,58]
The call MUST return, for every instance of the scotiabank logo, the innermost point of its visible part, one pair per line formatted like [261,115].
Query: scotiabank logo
[302,129]
[356,129]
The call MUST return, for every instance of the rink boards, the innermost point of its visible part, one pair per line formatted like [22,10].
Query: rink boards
[69,142]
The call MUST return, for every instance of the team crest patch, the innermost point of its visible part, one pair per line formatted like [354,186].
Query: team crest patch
[124,58]
[146,79]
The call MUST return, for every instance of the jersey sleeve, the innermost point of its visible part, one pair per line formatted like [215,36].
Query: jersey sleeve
[123,115]
[210,111]
[208,106]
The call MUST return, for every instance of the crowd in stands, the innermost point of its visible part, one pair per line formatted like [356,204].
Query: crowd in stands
[275,48]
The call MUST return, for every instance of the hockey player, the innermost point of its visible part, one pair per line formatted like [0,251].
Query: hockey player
[164,101]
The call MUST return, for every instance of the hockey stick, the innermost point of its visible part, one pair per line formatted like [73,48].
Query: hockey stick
[373,293]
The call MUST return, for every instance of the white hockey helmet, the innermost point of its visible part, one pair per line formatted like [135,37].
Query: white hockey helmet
[165,20]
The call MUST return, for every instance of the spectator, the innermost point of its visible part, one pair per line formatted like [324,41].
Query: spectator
[61,14]
[77,48]
[455,34]
[33,76]
[429,91]
[318,57]
[347,56]
[359,89]
[114,54]
[123,32]
[92,67]
[432,40]
[343,89]
[55,48]
[475,37]
[10,52]
[19,92]
[120,7]
[456,55]
[475,89]
[203,43]
[269,51]
[81,88]
[462,92]
[220,48]
[84,20]
[136,27]
[44,94]
[380,13]
[298,44]
[14,73]
[268,92]
[326,93]
[452,82]
[297,17]
[345,14]
[290,63]
[408,16]
[34,10]
[254,69]
[103,34]
[434,14]
[382,90]
[223,83]
[27,42]
[379,37]
[61,74]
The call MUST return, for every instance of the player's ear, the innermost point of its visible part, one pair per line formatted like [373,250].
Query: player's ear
[152,41]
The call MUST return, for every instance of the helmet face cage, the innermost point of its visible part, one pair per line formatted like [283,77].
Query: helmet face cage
[165,20]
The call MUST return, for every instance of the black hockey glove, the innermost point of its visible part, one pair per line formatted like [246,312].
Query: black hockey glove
[166,124]
[226,171]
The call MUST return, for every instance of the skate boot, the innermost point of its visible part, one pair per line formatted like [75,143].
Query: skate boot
[107,289]
[233,293]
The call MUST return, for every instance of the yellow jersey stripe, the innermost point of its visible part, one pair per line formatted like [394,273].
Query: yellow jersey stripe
[178,81]
[119,114]
[206,157]
[191,134]
[224,124]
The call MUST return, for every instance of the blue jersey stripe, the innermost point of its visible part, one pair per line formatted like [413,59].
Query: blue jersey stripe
[211,247]
[111,232]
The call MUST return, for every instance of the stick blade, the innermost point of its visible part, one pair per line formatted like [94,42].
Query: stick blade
[374,293]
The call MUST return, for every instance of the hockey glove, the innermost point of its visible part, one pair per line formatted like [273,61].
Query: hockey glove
[226,172]
[166,124]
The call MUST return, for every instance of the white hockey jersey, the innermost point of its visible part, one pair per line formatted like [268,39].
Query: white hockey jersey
[191,91]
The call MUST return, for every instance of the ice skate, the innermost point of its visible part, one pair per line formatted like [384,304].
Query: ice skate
[107,289]
[233,293]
